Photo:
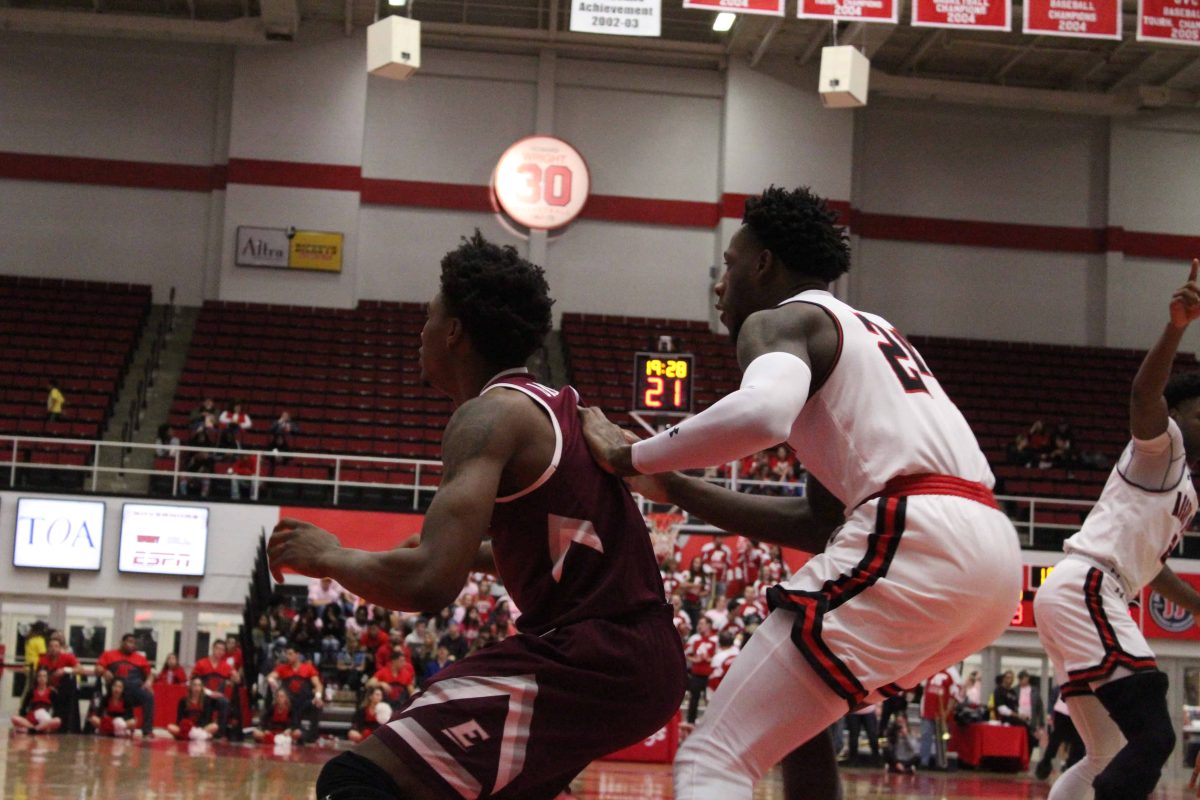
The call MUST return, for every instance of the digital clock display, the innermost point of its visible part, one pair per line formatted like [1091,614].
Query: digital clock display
[662,382]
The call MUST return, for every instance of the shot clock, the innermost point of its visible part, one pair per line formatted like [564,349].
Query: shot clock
[662,383]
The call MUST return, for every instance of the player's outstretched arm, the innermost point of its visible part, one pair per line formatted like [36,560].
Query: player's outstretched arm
[803,523]
[1147,407]
[1175,589]
[475,448]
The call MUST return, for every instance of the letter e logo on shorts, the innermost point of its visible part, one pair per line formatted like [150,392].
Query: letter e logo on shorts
[467,734]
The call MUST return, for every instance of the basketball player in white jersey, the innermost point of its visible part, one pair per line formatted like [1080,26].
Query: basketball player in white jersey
[1113,688]
[925,569]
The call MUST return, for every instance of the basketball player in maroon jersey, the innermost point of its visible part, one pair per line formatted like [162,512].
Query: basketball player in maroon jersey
[597,664]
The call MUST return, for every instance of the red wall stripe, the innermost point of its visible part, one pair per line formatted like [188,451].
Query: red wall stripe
[105,172]
[611,208]
[979,234]
[422,194]
[295,175]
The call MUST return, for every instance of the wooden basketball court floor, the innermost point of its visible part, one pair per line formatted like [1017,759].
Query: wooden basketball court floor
[88,768]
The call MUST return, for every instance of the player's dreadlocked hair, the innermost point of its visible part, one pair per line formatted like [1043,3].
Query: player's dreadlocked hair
[1182,386]
[800,230]
[501,298]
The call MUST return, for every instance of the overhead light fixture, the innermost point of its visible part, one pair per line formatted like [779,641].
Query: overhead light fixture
[723,22]
[397,3]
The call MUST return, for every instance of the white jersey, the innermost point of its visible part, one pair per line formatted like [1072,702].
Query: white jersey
[1141,515]
[879,413]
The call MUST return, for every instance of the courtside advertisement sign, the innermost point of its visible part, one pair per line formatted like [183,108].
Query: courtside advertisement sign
[288,248]
[541,182]
[860,10]
[1173,21]
[773,8]
[617,17]
[163,539]
[978,15]
[59,534]
[1090,19]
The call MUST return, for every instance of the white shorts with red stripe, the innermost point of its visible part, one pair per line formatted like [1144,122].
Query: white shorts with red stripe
[913,581]
[909,585]
[1084,623]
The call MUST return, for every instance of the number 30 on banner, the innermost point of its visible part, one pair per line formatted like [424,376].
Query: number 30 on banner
[541,182]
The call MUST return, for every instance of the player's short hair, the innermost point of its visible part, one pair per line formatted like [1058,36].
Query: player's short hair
[1182,386]
[800,229]
[502,299]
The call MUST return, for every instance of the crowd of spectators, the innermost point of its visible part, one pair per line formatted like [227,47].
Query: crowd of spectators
[210,430]
[773,472]
[1040,447]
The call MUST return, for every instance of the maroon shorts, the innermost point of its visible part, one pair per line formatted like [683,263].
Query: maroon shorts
[521,718]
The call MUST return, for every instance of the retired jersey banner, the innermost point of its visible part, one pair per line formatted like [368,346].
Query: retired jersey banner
[979,15]
[772,8]
[1176,21]
[1091,19]
[860,10]
[617,17]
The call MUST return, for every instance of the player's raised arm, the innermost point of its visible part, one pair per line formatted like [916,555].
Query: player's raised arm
[772,349]
[1147,406]
[476,446]
[804,523]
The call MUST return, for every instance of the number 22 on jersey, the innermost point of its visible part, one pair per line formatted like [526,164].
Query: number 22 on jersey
[902,357]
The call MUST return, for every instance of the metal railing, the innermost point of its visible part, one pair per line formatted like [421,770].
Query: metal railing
[1025,511]
[19,452]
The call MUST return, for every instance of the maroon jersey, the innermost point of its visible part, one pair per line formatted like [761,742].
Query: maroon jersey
[572,546]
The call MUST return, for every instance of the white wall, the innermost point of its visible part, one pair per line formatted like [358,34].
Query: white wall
[101,99]
[657,135]
[233,534]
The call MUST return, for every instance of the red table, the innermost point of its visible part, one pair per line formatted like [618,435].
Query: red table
[981,740]
[166,702]
[659,748]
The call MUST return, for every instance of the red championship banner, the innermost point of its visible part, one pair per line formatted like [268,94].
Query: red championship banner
[859,10]
[979,15]
[773,8]
[1176,21]
[1091,19]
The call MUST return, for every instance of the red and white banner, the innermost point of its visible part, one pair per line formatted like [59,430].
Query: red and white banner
[1175,21]
[1091,19]
[979,15]
[858,10]
[773,8]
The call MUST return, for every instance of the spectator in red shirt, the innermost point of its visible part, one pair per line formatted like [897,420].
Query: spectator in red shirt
[194,715]
[299,679]
[396,679]
[384,654]
[37,714]
[372,639]
[62,666]
[58,661]
[279,722]
[699,651]
[113,715]
[171,673]
[135,671]
[367,716]
[218,677]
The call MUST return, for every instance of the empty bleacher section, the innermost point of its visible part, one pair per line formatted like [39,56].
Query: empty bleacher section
[348,377]
[81,334]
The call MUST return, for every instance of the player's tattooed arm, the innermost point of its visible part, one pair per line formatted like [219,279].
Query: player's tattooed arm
[1147,406]
[1175,589]
[803,523]
[477,445]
